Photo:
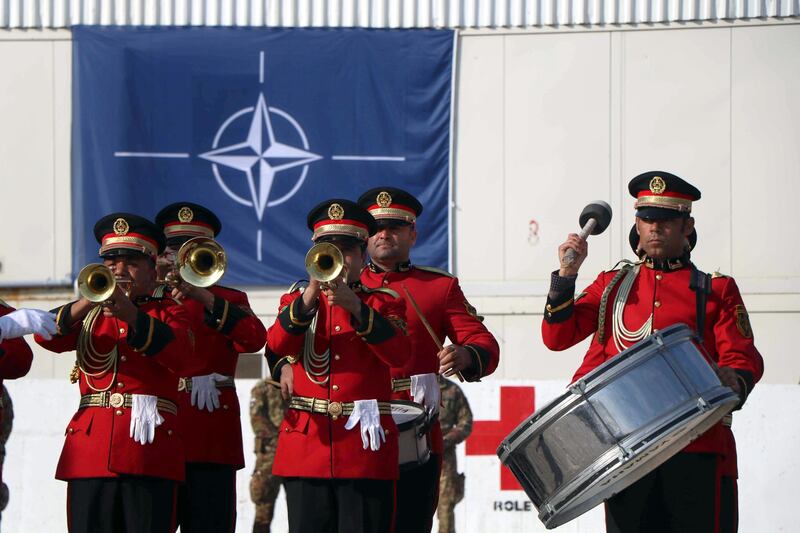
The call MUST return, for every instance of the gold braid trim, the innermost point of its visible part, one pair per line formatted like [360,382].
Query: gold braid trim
[369,324]
[222,320]
[560,307]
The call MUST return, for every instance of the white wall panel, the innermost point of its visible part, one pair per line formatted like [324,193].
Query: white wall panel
[556,147]
[676,117]
[29,155]
[765,113]
[479,162]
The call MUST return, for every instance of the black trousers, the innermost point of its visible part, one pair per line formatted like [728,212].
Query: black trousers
[127,504]
[686,494]
[339,505]
[418,497]
[207,499]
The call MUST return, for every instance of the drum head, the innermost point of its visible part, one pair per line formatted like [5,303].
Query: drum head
[405,413]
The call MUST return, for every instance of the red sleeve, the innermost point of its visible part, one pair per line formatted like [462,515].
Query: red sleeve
[735,346]
[174,342]
[567,322]
[238,322]
[66,340]
[464,328]
[15,358]
[387,337]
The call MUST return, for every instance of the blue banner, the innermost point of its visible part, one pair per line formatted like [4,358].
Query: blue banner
[259,125]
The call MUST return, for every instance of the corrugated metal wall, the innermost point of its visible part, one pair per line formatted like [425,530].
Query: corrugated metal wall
[382,13]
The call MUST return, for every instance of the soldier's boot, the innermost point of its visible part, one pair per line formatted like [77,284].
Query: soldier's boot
[263,517]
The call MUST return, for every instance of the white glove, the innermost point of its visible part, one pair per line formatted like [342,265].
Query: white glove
[425,390]
[366,412]
[205,394]
[145,418]
[26,321]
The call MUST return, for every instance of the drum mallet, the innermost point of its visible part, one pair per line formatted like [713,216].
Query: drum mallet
[594,220]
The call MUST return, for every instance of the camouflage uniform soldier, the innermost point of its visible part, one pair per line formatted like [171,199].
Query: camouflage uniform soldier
[456,419]
[6,421]
[266,414]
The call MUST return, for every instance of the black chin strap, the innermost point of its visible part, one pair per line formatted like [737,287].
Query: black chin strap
[701,284]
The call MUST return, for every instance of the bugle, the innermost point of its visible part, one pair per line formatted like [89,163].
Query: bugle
[324,262]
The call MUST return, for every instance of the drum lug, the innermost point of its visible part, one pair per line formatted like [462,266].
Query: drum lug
[702,404]
[623,456]
[659,340]
[578,388]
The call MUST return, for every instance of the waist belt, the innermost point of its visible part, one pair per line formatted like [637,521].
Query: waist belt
[117,400]
[332,409]
[401,384]
[185,384]
[727,420]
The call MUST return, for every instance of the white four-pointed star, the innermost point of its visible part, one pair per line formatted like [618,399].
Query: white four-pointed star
[261,157]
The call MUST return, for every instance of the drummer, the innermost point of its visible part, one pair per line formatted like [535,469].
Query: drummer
[696,489]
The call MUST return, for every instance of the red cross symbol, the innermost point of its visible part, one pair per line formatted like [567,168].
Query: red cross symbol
[516,404]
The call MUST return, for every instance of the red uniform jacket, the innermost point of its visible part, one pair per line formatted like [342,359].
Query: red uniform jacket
[98,442]
[15,360]
[666,294]
[219,337]
[315,445]
[445,307]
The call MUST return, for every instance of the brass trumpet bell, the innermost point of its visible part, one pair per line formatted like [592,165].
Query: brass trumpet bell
[96,282]
[201,261]
[324,262]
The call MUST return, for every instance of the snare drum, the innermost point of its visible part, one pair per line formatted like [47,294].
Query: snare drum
[413,434]
[616,424]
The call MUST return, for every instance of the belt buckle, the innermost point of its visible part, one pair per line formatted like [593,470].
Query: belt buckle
[117,400]
[335,410]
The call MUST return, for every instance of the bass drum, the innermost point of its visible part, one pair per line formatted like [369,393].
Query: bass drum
[616,424]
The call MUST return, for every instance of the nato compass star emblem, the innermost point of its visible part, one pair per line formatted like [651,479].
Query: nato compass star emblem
[260,157]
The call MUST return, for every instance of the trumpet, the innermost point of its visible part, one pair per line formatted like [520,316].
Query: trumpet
[96,283]
[200,261]
[324,262]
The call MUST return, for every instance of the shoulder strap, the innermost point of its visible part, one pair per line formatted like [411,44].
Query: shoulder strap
[384,290]
[700,283]
[434,270]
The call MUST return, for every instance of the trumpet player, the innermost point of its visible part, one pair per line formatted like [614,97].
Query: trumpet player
[223,326]
[331,348]
[122,457]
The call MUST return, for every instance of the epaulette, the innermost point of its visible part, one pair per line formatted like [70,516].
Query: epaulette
[434,270]
[717,274]
[298,285]
[623,263]
[384,290]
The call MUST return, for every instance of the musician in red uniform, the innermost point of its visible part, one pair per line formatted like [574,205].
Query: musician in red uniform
[696,489]
[223,326]
[474,351]
[123,456]
[16,358]
[331,348]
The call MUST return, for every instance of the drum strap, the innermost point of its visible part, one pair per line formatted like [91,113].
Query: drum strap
[701,285]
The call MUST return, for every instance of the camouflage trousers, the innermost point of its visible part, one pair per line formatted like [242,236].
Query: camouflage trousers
[451,491]
[6,423]
[264,489]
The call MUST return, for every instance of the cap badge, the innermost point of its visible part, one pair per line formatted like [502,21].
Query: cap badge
[336,212]
[185,214]
[384,199]
[121,226]
[657,185]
